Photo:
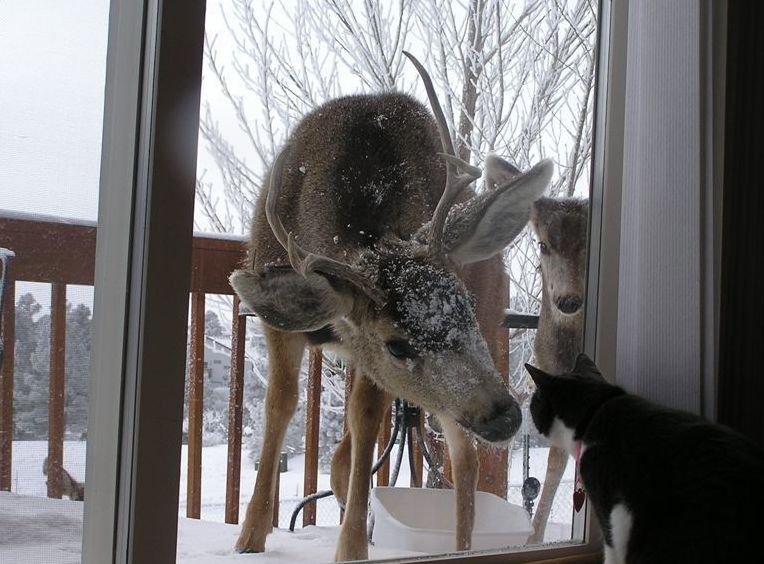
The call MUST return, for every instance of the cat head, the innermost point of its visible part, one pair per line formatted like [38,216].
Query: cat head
[562,405]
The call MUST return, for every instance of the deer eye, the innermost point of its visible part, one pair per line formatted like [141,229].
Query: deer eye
[400,349]
[543,248]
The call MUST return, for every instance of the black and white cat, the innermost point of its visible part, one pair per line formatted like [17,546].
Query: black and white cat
[667,486]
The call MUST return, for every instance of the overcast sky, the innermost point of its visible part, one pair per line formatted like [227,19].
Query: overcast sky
[52,60]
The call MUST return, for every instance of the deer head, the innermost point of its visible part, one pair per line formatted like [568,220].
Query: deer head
[560,225]
[397,308]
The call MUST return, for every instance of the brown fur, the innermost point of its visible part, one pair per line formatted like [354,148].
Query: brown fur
[561,225]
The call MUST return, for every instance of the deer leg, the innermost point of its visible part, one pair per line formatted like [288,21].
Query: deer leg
[340,473]
[555,468]
[367,405]
[284,358]
[465,466]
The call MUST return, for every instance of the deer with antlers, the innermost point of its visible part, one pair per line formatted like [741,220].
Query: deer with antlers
[366,240]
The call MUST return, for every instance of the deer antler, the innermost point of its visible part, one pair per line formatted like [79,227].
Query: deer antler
[302,261]
[454,184]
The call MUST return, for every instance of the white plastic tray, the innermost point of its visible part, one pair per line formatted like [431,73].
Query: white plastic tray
[424,520]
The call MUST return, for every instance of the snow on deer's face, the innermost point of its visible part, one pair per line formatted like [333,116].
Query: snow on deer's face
[424,345]
[560,225]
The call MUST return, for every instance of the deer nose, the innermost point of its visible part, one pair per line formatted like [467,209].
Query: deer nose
[568,304]
[501,424]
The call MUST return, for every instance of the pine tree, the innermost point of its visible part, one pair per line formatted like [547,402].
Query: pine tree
[212,325]
[26,340]
[32,369]
[78,324]
[30,389]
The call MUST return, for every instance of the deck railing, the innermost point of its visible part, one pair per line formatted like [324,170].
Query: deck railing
[62,253]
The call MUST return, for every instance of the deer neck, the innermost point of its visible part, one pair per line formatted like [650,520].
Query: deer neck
[558,338]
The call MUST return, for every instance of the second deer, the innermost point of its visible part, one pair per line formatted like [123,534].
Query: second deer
[561,227]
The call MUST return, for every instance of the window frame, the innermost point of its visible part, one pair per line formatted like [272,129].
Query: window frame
[119,152]
[143,257]
[154,64]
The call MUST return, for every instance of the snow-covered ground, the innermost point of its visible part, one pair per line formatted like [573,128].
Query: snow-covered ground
[37,529]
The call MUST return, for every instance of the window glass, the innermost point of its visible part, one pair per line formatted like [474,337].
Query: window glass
[53,67]
[515,79]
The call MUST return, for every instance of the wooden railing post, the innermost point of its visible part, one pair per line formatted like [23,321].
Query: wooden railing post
[448,473]
[61,253]
[313,420]
[383,474]
[57,379]
[494,462]
[235,402]
[8,307]
[195,389]
[349,375]
[417,453]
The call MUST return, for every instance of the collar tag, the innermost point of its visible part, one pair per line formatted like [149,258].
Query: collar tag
[579,493]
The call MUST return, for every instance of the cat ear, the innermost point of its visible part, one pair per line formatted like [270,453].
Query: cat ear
[539,377]
[585,366]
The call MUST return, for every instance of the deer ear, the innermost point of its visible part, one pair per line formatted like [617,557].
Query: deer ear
[288,301]
[486,224]
[498,171]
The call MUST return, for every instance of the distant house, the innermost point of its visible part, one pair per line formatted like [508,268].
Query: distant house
[217,363]
[217,359]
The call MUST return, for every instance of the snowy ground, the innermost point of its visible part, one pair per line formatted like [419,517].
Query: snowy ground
[37,529]
[40,531]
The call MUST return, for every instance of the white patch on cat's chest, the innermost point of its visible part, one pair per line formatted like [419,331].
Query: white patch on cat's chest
[562,436]
[620,530]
